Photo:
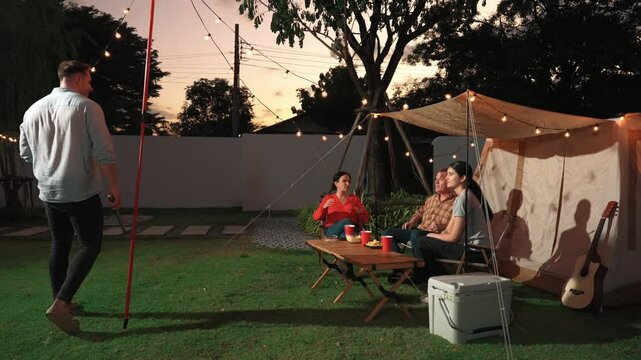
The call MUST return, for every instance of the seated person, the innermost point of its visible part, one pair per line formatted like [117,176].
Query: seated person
[432,217]
[450,243]
[339,208]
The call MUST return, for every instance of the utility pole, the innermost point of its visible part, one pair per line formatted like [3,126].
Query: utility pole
[236,90]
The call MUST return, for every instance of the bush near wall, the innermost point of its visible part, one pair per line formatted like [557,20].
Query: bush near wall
[391,213]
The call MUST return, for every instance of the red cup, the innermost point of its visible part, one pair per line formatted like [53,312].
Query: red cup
[366,236]
[349,230]
[387,241]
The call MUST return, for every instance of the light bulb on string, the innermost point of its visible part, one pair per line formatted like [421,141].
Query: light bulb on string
[405,106]
[299,133]
[431,160]
[324,138]
[567,133]
[472,97]
[107,53]
[340,136]
[407,154]
[230,71]
[285,74]
[324,94]
[364,102]
[537,131]
[504,118]
[453,156]
[117,35]
[386,138]
[360,127]
[448,96]
[250,52]
[93,69]
[595,128]
[472,144]
[217,21]
[375,115]
[207,37]
[125,10]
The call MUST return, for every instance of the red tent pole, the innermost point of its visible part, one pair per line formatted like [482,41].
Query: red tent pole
[134,224]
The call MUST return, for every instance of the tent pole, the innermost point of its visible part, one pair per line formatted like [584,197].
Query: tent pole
[417,164]
[360,179]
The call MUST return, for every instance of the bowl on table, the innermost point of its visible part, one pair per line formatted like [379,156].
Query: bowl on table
[353,239]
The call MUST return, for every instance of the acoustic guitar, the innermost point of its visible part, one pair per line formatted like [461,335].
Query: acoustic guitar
[584,289]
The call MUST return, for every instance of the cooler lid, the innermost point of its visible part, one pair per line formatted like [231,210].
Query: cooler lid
[466,283]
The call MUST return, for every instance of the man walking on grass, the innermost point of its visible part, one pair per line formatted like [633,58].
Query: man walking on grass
[65,138]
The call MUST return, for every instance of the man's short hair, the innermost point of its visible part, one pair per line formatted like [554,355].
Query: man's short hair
[442,170]
[71,67]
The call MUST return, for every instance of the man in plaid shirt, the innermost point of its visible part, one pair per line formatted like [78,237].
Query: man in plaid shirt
[432,217]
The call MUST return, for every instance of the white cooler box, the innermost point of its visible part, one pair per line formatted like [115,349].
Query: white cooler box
[465,307]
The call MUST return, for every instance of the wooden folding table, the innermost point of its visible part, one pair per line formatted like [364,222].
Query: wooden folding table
[346,255]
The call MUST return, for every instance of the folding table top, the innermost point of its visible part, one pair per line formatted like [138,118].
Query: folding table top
[360,255]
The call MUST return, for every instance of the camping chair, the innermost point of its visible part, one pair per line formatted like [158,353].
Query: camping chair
[485,264]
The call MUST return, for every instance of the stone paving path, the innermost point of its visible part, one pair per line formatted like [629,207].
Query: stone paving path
[272,232]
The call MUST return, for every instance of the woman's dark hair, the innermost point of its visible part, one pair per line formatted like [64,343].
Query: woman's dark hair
[464,169]
[338,176]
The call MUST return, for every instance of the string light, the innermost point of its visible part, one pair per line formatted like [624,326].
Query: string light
[324,94]
[472,144]
[340,136]
[407,154]
[595,128]
[299,133]
[359,127]
[387,138]
[125,11]
[285,74]
[567,133]
[537,131]
[250,52]
[453,156]
[364,102]
[324,138]
[375,116]
[504,118]
[448,96]
[230,71]
[93,69]
[217,21]
[107,53]
[207,37]
[431,160]
[405,106]
[472,98]
[118,35]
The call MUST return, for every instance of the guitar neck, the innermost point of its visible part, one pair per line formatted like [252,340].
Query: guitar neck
[593,247]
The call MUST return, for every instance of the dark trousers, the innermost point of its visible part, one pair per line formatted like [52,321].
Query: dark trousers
[83,218]
[404,236]
[430,249]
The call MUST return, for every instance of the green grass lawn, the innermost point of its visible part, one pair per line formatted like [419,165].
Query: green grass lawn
[210,299]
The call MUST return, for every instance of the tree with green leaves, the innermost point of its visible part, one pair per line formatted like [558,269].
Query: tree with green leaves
[207,110]
[118,80]
[336,110]
[578,57]
[371,34]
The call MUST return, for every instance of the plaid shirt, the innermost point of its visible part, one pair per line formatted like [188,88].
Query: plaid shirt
[434,210]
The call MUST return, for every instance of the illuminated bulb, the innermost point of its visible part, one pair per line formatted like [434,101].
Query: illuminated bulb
[324,94]
[107,53]
[595,128]
[537,131]
[207,37]
[360,127]
[504,118]
[340,136]
[431,160]
[230,71]
[472,144]
[117,35]
[125,11]
[285,74]
[407,153]
[472,98]
[93,69]
[405,106]
[375,116]
[622,118]
[364,102]
[567,133]
[217,21]
[299,133]
[324,138]
[250,52]
[387,138]
[453,156]
[448,96]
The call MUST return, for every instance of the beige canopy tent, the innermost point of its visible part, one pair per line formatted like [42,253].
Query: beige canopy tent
[549,191]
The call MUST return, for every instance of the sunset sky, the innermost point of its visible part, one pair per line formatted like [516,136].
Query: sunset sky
[183,51]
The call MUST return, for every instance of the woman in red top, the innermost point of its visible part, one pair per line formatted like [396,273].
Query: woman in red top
[339,209]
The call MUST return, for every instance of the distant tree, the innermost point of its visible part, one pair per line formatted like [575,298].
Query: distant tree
[207,110]
[336,110]
[118,80]
[376,33]
[574,56]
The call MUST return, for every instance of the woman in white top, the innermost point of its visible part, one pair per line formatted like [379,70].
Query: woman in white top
[450,243]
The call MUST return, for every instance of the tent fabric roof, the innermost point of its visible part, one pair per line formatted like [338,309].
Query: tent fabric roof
[449,117]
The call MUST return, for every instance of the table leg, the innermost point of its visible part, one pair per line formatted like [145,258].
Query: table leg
[388,294]
[320,278]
